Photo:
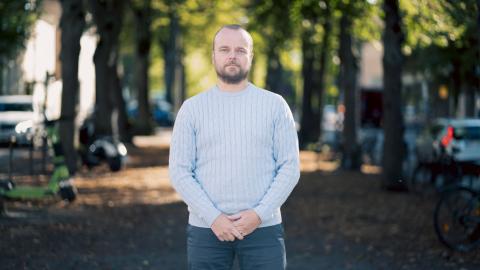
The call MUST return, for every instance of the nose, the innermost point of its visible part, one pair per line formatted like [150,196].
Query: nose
[232,54]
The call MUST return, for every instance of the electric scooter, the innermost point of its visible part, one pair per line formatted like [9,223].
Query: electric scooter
[60,183]
[97,149]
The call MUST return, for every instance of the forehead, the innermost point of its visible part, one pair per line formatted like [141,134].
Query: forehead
[233,38]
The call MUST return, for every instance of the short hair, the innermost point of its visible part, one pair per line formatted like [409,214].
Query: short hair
[232,27]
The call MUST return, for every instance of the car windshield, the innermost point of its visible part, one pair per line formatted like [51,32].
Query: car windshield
[467,133]
[16,107]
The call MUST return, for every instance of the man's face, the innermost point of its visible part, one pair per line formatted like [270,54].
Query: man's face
[232,55]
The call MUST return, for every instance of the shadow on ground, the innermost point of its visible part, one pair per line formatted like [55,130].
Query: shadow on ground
[134,220]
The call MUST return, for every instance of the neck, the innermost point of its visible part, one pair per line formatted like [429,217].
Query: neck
[232,87]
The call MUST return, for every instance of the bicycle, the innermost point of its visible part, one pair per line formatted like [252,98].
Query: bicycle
[457,218]
[440,173]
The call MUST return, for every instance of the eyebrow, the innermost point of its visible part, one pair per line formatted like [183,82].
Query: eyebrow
[236,48]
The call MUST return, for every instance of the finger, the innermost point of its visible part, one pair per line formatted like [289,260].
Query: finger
[239,225]
[234,217]
[231,237]
[237,234]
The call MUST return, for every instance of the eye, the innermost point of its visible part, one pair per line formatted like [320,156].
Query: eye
[241,51]
[223,50]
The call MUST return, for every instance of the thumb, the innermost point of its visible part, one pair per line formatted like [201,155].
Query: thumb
[234,217]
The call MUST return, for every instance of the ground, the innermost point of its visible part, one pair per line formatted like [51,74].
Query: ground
[133,219]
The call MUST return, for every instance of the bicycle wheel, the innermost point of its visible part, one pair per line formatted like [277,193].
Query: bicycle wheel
[457,219]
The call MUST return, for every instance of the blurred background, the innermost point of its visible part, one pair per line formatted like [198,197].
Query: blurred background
[361,78]
[389,88]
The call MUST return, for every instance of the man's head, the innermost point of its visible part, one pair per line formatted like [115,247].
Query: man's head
[232,53]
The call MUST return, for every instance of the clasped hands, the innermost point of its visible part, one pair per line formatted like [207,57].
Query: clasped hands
[229,228]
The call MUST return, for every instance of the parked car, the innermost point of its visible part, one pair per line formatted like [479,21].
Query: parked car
[457,138]
[17,118]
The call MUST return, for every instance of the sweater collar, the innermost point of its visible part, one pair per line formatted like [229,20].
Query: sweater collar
[242,92]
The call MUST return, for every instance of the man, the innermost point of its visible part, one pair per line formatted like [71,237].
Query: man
[234,160]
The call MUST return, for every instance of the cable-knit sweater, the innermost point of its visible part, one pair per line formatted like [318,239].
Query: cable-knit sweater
[233,151]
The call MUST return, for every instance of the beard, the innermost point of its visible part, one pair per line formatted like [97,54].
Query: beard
[231,77]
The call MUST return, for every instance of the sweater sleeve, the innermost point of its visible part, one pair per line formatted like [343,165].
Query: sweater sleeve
[182,165]
[286,156]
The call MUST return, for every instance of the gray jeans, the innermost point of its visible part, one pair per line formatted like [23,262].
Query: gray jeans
[264,249]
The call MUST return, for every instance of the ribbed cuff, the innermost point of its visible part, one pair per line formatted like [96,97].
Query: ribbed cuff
[211,216]
[263,212]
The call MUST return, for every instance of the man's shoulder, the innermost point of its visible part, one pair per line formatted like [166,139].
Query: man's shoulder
[196,99]
[269,95]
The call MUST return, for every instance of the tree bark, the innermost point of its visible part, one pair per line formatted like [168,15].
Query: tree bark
[394,146]
[274,79]
[72,24]
[108,16]
[1,76]
[321,68]
[142,62]
[307,132]
[174,68]
[477,84]
[348,71]
[169,47]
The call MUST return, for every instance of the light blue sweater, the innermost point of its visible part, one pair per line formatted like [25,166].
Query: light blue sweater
[232,152]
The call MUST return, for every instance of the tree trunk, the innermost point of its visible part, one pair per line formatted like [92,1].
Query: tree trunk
[319,79]
[307,132]
[348,71]
[72,24]
[142,58]
[103,102]
[477,66]
[174,67]
[274,79]
[108,18]
[469,102]
[456,89]
[1,76]
[394,146]
[169,47]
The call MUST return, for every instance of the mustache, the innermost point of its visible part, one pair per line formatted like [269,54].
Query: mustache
[232,63]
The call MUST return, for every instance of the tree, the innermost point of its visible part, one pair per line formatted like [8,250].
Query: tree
[267,17]
[142,11]
[171,41]
[347,82]
[72,24]
[110,109]
[315,50]
[448,30]
[16,19]
[353,31]
[394,146]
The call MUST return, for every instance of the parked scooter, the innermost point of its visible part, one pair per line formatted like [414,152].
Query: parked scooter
[97,149]
[60,183]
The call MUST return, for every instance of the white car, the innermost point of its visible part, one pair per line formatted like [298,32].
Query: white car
[17,117]
[458,138]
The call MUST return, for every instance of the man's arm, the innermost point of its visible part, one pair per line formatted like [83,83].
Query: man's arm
[182,164]
[181,167]
[286,155]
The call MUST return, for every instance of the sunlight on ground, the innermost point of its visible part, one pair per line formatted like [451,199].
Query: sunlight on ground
[371,169]
[311,162]
[162,138]
[131,186]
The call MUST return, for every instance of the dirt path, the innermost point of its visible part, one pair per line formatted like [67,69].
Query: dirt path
[134,220]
